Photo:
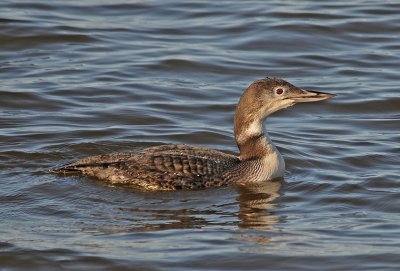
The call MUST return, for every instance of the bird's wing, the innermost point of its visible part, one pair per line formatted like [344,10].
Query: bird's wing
[161,167]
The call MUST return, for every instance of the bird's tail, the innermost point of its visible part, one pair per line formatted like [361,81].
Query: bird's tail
[75,168]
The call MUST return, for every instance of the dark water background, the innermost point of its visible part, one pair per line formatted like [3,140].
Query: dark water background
[84,77]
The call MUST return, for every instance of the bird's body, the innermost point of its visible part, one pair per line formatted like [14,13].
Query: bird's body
[170,167]
[163,167]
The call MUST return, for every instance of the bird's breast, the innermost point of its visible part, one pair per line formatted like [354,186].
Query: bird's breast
[272,166]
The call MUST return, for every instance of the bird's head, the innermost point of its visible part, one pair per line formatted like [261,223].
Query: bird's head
[266,96]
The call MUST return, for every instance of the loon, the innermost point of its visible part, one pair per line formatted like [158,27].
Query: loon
[173,167]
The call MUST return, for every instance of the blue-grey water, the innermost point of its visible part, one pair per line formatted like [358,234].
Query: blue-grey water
[81,78]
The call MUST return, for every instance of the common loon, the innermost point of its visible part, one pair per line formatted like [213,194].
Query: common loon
[171,167]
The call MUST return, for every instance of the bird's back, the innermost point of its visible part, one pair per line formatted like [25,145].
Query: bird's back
[165,167]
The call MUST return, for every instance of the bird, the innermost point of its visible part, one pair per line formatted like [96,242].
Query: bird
[177,167]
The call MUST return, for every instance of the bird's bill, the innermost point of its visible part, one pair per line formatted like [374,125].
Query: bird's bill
[306,96]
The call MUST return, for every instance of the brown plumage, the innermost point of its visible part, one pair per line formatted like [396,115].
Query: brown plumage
[170,167]
[159,168]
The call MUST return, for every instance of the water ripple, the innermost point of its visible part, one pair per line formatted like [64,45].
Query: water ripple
[93,77]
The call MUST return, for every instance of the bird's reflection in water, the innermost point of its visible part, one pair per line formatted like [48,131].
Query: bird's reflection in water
[256,203]
[255,214]
[251,210]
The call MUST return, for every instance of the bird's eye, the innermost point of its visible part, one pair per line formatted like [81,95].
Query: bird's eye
[279,91]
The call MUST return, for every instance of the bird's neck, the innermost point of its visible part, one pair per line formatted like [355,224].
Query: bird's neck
[257,151]
[260,159]
[253,142]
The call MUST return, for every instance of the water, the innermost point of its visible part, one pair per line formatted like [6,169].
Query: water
[82,78]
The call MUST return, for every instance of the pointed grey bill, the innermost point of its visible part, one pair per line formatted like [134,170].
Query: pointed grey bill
[307,96]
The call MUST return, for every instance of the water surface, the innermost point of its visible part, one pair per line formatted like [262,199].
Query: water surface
[82,78]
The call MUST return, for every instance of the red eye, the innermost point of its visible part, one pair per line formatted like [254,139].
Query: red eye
[279,91]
